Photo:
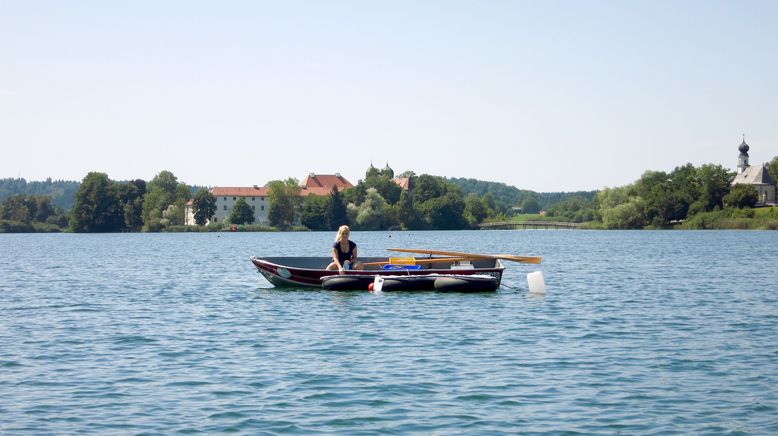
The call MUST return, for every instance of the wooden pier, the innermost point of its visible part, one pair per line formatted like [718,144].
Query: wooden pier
[515,225]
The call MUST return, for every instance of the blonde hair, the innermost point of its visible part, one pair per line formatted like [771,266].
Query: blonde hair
[341,231]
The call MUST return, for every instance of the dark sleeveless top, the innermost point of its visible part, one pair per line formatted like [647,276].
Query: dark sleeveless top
[342,257]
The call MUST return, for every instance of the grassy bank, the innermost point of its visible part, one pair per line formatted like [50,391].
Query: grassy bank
[7,226]
[765,218]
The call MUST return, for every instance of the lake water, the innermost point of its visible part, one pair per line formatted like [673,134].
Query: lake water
[650,332]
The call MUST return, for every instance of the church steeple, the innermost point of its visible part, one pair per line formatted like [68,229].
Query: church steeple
[742,159]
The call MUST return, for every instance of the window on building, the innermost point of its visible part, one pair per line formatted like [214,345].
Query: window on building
[216,220]
[263,208]
[225,207]
[252,198]
[225,198]
[233,198]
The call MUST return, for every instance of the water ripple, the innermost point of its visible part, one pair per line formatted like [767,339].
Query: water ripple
[639,333]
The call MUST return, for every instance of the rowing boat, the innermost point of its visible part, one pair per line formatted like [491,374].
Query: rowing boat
[285,271]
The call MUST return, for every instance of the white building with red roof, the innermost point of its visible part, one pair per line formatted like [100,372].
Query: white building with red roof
[257,197]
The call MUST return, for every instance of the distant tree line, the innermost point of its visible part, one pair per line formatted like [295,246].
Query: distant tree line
[104,205]
[505,197]
[660,200]
[31,213]
[60,191]
[99,204]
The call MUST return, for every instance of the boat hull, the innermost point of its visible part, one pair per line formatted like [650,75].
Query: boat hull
[472,283]
[308,271]
[407,283]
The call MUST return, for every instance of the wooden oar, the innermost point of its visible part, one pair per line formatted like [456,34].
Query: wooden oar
[428,260]
[522,259]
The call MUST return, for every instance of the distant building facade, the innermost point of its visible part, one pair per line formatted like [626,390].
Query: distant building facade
[756,176]
[257,197]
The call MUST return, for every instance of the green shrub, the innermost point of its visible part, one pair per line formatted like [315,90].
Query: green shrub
[9,226]
[46,228]
[730,218]
[255,228]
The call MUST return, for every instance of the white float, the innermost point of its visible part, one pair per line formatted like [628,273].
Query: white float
[537,285]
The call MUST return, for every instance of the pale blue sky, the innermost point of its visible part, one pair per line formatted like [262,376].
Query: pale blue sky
[542,95]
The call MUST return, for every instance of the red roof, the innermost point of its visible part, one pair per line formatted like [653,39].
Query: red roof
[403,182]
[251,191]
[326,181]
[316,191]
[318,184]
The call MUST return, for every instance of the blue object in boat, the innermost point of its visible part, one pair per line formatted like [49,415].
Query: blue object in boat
[389,266]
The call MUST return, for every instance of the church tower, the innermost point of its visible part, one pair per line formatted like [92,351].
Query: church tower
[388,171]
[742,160]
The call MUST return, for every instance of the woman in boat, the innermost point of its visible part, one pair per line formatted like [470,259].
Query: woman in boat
[344,252]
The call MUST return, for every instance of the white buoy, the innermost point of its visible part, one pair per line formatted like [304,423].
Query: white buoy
[537,285]
[378,283]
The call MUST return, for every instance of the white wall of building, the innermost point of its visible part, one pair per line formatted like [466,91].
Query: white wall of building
[225,204]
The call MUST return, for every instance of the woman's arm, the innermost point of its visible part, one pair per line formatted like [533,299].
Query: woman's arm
[335,259]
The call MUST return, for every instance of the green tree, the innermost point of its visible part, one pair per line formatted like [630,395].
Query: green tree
[314,214]
[242,213]
[203,206]
[284,200]
[663,200]
[162,191]
[132,200]
[440,204]
[371,214]
[427,187]
[95,208]
[530,205]
[741,196]
[43,208]
[772,169]
[476,209]
[611,197]
[382,182]
[336,210]
[445,212]
[17,208]
[576,209]
[714,182]
[166,182]
[407,214]
[627,215]
[683,179]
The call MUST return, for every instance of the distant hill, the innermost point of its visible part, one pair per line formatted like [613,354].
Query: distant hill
[60,191]
[506,196]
